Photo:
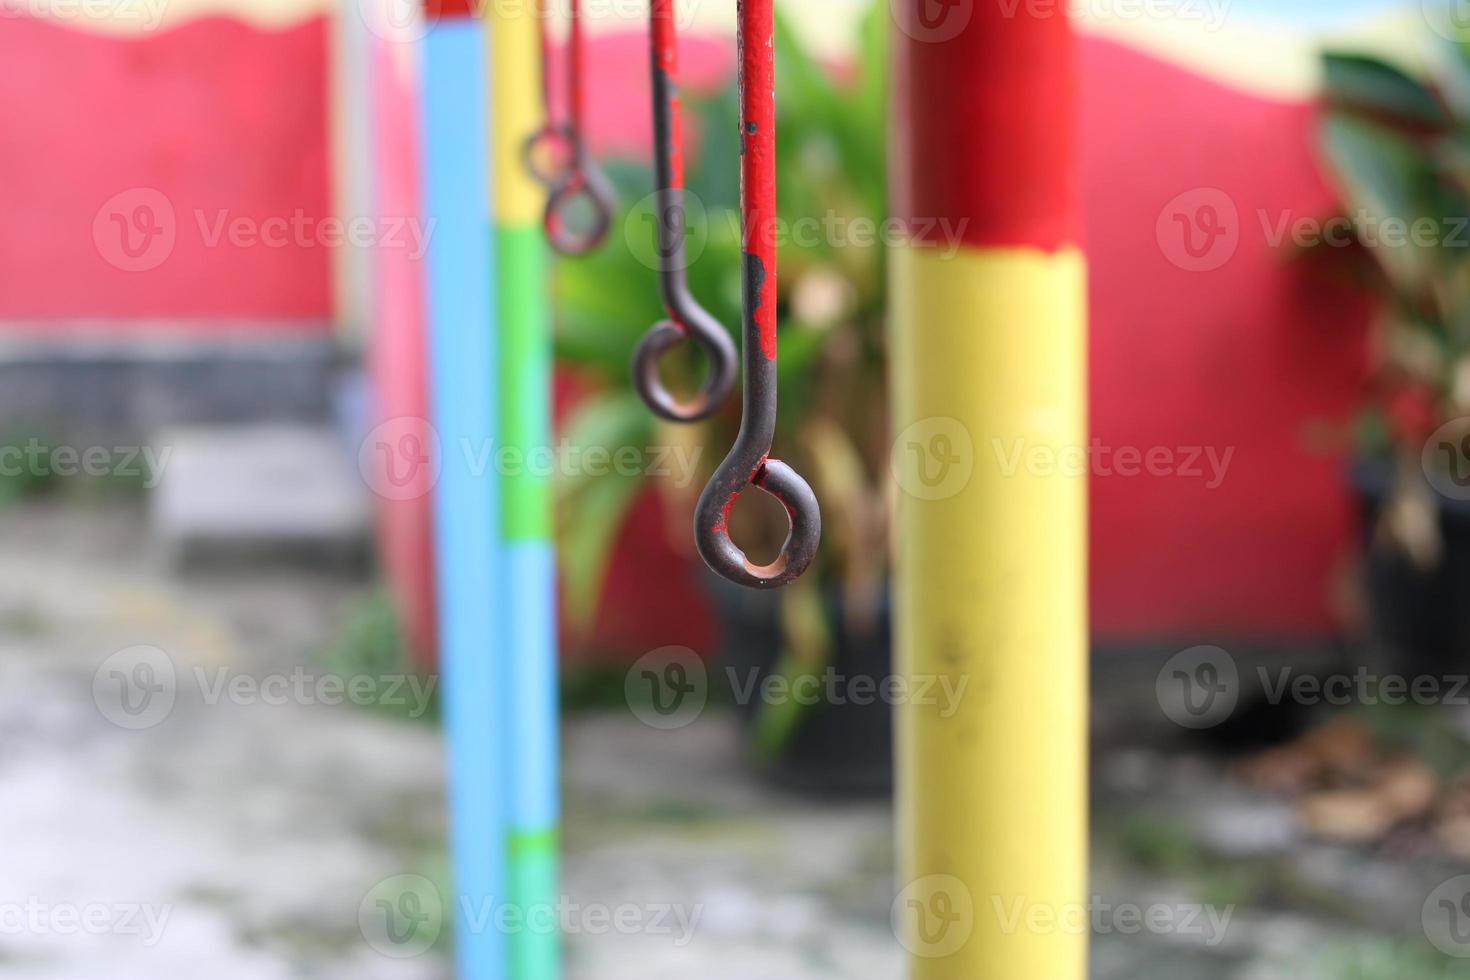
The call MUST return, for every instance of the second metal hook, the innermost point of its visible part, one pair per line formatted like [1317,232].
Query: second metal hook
[547,154]
[687,319]
[584,181]
[580,178]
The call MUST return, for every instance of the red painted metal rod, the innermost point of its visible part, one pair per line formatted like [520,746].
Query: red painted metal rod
[687,319]
[749,462]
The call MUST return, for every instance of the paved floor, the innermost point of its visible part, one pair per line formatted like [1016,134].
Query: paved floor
[181,796]
[232,823]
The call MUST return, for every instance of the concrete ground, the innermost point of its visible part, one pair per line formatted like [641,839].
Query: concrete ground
[181,796]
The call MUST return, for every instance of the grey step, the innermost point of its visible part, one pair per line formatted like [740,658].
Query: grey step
[258,491]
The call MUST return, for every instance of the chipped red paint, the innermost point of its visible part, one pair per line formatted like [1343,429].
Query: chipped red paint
[666,60]
[722,523]
[999,174]
[758,164]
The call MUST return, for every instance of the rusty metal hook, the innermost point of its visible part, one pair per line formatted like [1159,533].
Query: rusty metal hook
[749,462]
[687,319]
[583,178]
[547,153]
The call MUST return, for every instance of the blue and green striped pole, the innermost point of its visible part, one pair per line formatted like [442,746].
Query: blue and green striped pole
[529,576]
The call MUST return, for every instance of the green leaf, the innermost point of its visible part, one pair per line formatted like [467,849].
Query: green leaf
[586,541]
[1387,181]
[806,637]
[799,351]
[609,419]
[714,176]
[1364,82]
[805,90]
[1453,77]
[604,304]
[777,720]
[595,507]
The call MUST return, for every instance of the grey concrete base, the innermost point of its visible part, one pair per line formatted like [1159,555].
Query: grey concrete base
[278,491]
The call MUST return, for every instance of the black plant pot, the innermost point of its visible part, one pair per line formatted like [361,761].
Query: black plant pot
[1419,617]
[841,747]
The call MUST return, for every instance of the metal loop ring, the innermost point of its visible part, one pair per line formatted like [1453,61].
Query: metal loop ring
[550,142]
[804,514]
[584,181]
[719,351]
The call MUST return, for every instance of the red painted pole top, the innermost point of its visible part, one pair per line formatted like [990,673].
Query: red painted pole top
[435,10]
[984,140]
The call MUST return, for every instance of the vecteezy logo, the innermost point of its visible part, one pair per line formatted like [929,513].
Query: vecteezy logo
[401,459]
[674,681]
[941,451]
[934,917]
[1199,231]
[1449,18]
[399,21]
[135,230]
[1199,688]
[933,459]
[650,223]
[1446,459]
[1446,917]
[667,688]
[932,21]
[136,688]
[402,917]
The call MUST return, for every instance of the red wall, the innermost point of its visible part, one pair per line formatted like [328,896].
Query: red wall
[1249,357]
[207,118]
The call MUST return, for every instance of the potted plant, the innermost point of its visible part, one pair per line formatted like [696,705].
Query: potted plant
[1399,147]
[832,625]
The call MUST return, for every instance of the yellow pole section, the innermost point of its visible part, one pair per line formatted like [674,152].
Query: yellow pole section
[515,85]
[989,408]
[992,596]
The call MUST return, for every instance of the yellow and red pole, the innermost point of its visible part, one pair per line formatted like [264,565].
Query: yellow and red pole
[989,402]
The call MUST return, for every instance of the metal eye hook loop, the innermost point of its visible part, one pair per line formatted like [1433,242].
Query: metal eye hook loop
[748,462]
[582,182]
[582,178]
[687,319]
[804,514]
[551,143]
[553,137]
[719,351]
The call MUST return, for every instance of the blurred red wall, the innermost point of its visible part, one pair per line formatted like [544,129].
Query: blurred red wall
[132,167]
[1247,358]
